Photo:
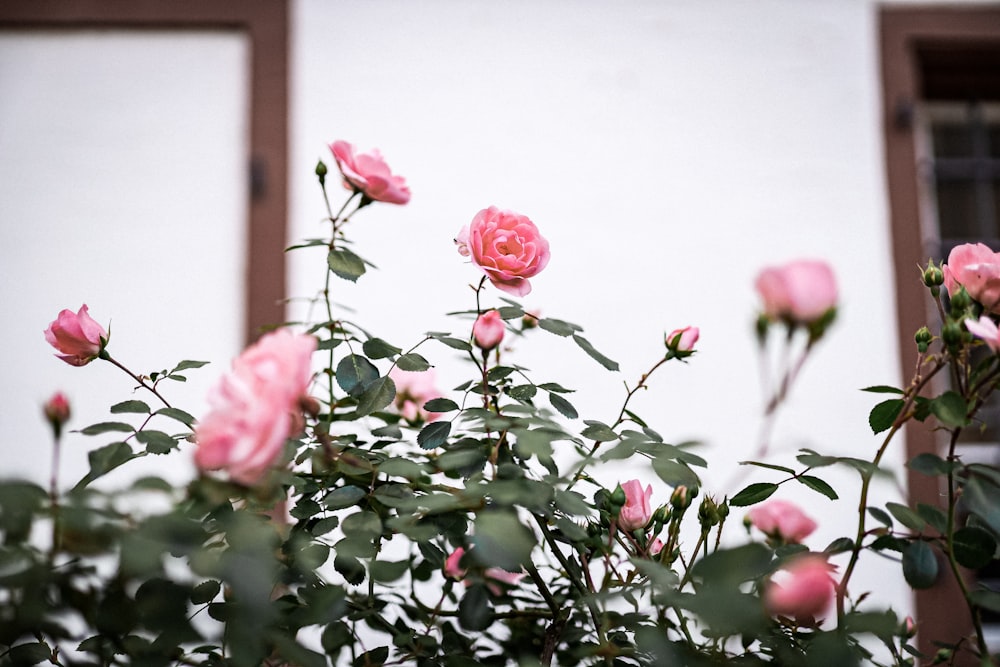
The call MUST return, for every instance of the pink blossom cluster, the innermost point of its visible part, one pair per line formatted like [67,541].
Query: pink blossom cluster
[256,407]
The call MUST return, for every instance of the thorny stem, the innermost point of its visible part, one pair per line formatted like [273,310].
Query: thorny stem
[142,382]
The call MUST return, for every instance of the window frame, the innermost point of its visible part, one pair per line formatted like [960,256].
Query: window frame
[266,26]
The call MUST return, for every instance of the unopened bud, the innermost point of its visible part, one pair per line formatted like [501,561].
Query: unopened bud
[618,498]
[530,320]
[923,337]
[908,628]
[321,172]
[951,333]
[933,275]
[708,513]
[680,499]
[57,411]
[960,300]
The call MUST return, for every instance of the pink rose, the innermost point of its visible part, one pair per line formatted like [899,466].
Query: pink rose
[635,513]
[802,291]
[452,569]
[369,174]
[256,407]
[488,330]
[655,547]
[782,520]
[77,336]
[976,268]
[413,389]
[493,575]
[682,340]
[506,246]
[805,589]
[986,329]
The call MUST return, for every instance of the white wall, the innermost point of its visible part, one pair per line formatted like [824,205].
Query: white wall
[122,185]
[668,150]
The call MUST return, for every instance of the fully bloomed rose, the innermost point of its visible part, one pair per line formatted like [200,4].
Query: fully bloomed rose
[256,407]
[76,336]
[506,246]
[976,268]
[488,330]
[802,291]
[369,174]
[782,520]
[413,389]
[804,591]
[635,514]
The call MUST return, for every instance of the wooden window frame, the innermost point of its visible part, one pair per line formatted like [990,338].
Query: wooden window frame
[266,24]
[927,52]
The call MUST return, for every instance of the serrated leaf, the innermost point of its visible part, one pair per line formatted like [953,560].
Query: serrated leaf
[187,364]
[501,540]
[105,459]
[378,395]
[752,494]
[178,415]
[558,327]
[906,516]
[675,473]
[376,348]
[920,566]
[455,343]
[386,571]
[412,362]
[522,392]
[510,312]
[817,484]
[974,547]
[107,427]
[355,373]
[345,264]
[345,496]
[434,435]
[564,407]
[883,415]
[134,407]
[950,409]
[840,545]
[598,431]
[205,591]
[597,356]
[440,405]
[157,442]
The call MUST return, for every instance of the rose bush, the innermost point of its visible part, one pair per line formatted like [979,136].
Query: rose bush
[346,511]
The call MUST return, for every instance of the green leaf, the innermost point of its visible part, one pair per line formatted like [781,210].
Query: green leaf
[564,407]
[880,516]
[474,611]
[412,362]
[205,591]
[556,387]
[350,568]
[386,571]
[920,566]
[29,654]
[674,472]
[840,545]
[157,442]
[376,348]
[929,464]
[455,343]
[105,459]
[598,431]
[400,467]
[906,516]
[974,547]
[950,409]
[186,364]
[362,525]
[817,484]
[440,405]
[510,312]
[137,407]
[986,599]
[934,516]
[883,415]
[345,496]
[752,494]
[502,541]
[597,356]
[522,392]
[107,427]
[558,327]
[883,389]
[355,373]
[378,395]
[434,435]
[733,566]
[345,264]
[178,415]
[769,466]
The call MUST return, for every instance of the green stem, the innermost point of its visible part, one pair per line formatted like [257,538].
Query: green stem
[142,383]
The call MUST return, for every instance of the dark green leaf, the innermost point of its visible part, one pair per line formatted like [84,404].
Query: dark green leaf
[345,264]
[345,496]
[401,468]
[335,637]
[502,541]
[571,530]
[386,571]
[157,442]
[205,591]
[920,567]
[434,434]
[362,525]
[883,415]
[733,566]
[558,327]
[840,545]
[107,427]
[752,494]
[769,466]
[376,348]
[377,395]
[373,658]
[522,392]
[553,386]
[474,611]
[178,415]
[187,364]
[598,431]
[929,464]
[440,405]
[355,373]
[674,472]
[950,409]
[817,484]
[934,516]
[29,654]
[906,516]
[986,599]
[137,407]
[881,516]
[564,407]
[350,568]
[456,343]
[510,312]
[104,459]
[412,362]
[883,389]
[974,547]
[597,356]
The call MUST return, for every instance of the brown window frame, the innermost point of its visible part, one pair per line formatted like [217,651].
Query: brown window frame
[927,53]
[266,25]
